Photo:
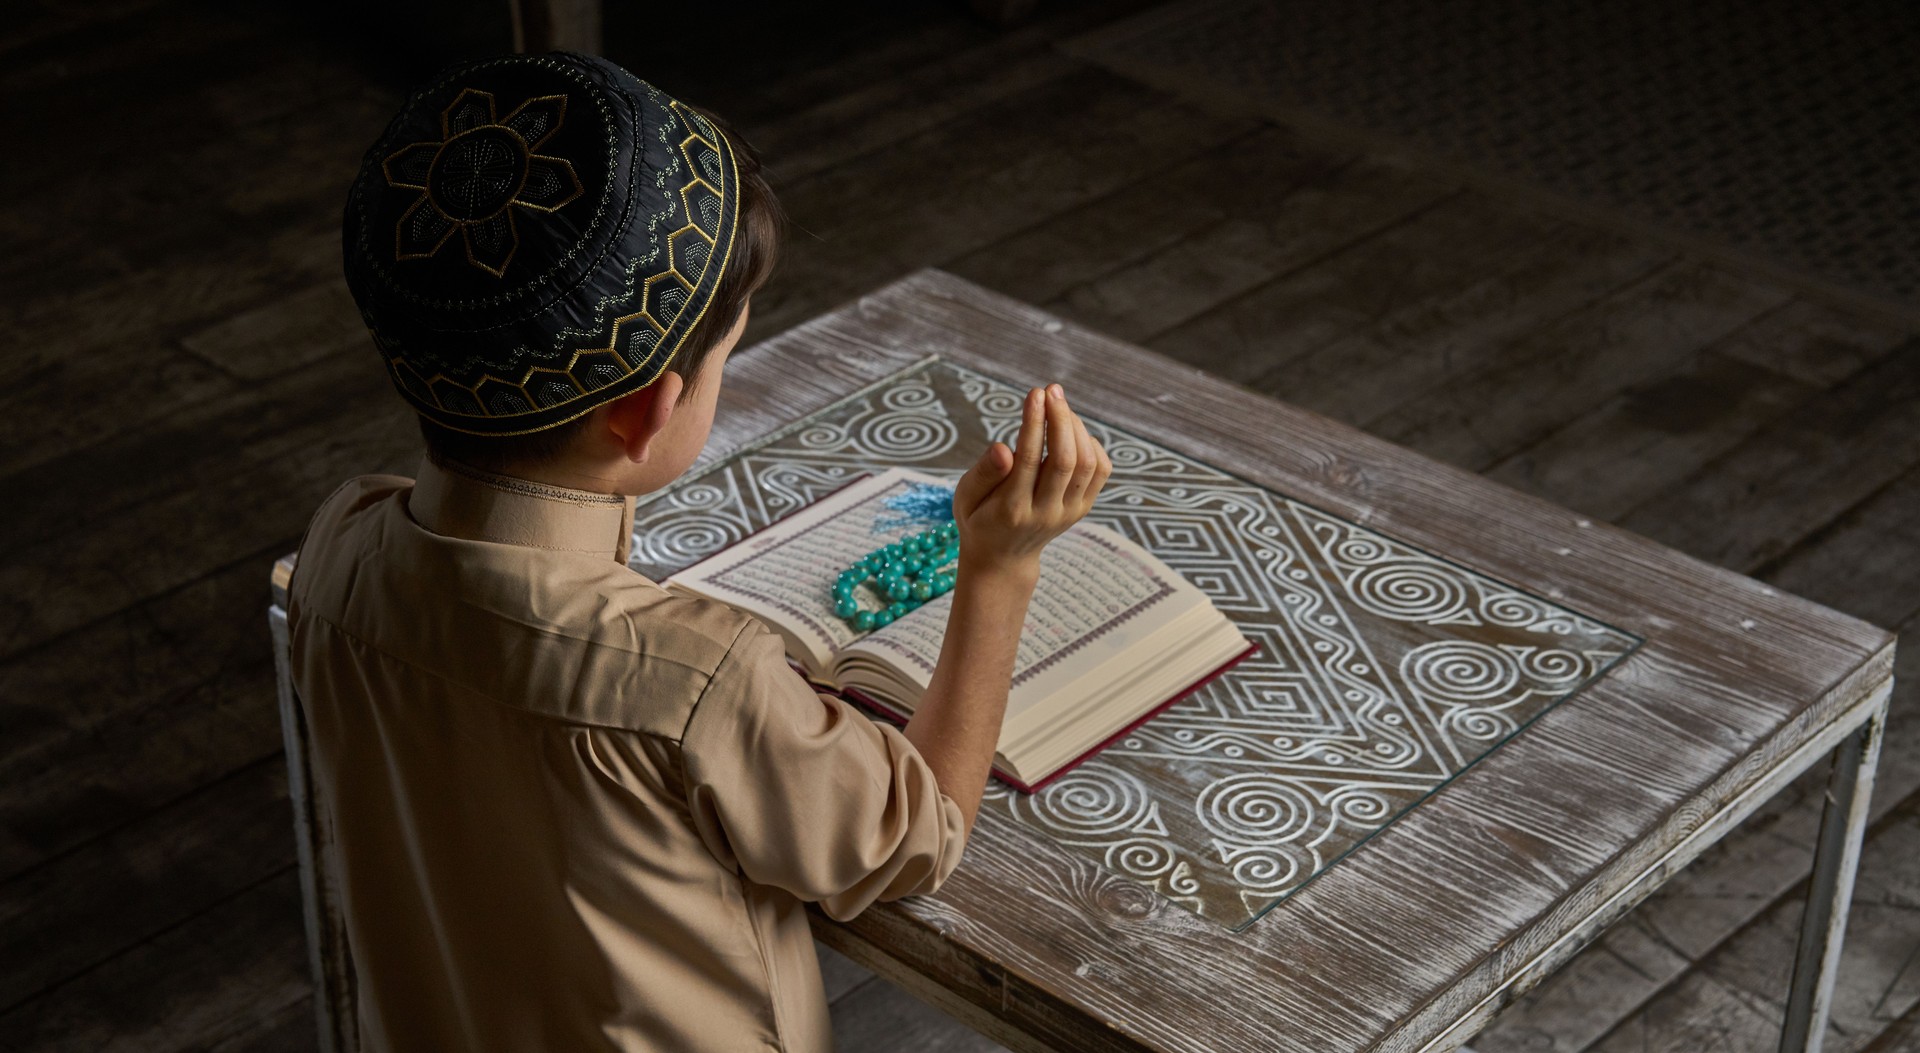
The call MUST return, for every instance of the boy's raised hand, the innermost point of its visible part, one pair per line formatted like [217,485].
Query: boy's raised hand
[1012,502]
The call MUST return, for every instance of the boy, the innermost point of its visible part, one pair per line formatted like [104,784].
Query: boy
[571,810]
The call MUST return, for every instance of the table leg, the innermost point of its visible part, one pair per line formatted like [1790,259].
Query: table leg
[1830,892]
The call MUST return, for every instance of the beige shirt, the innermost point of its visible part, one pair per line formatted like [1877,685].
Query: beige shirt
[571,810]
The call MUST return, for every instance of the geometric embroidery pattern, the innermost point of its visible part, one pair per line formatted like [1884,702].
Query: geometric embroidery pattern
[1382,670]
[469,178]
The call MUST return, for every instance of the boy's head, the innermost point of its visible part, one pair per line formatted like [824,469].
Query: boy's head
[554,259]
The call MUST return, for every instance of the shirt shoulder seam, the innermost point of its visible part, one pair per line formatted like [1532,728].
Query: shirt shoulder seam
[745,625]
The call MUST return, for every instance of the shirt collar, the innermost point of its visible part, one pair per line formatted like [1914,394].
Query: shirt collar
[455,500]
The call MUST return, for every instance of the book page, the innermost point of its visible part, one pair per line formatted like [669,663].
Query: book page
[1097,594]
[785,574]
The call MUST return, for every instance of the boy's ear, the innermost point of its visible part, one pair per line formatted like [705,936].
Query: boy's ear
[636,419]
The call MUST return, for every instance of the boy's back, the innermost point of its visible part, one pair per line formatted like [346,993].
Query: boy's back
[573,811]
[570,810]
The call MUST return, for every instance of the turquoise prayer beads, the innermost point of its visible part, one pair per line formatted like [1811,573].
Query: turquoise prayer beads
[903,575]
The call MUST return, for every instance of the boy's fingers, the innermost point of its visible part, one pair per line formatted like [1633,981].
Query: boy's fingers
[1026,450]
[980,480]
[1085,461]
[1062,450]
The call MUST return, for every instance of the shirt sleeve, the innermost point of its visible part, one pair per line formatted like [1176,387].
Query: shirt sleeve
[804,792]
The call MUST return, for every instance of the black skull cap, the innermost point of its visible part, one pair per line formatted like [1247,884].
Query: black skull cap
[535,235]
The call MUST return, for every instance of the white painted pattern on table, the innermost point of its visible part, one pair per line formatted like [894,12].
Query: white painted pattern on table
[1382,670]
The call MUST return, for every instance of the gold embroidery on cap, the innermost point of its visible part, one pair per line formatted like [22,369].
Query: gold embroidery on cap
[469,180]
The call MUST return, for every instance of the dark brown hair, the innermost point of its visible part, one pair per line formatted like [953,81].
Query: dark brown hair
[755,251]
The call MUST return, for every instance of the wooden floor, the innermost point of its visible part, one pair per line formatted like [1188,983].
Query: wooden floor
[189,379]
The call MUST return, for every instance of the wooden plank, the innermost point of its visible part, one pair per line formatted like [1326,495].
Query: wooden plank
[1407,284]
[288,1030]
[867,44]
[1762,498]
[839,974]
[975,180]
[108,345]
[79,789]
[1721,692]
[226,973]
[912,101]
[294,450]
[291,332]
[880,1017]
[77,910]
[912,84]
[1817,344]
[1144,217]
[1867,561]
[1902,1036]
[1711,1018]
[1266,234]
[1752,970]
[1533,384]
[1650,436]
[112,263]
[1366,374]
[114,84]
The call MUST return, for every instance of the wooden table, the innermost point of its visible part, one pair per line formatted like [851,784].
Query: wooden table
[1414,940]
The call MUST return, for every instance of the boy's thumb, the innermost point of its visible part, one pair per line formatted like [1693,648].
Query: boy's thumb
[986,473]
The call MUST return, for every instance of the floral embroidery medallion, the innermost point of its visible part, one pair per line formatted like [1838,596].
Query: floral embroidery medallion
[472,177]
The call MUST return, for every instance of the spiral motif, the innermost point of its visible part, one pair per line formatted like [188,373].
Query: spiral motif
[1254,808]
[685,538]
[907,435]
[1266,868]
[1092,799]
[1460,671]
[1140,857]
[700,496]
[1001,402]
[1359,804]
[1125,454]
[909,397]
[823,436]
[1409,591]
[1554,667]
[1358,548]
[1507,608]
[1485,725]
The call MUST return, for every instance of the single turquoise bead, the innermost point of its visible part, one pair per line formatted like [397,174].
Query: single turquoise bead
[898,590]
[881,618]
[846,608]
[863,621]
[922,590]
[914,563]
[942,587]
[897,609]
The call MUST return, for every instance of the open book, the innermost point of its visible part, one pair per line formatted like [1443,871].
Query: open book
[1112,637]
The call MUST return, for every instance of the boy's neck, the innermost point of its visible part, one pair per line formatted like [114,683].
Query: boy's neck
[585,477]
